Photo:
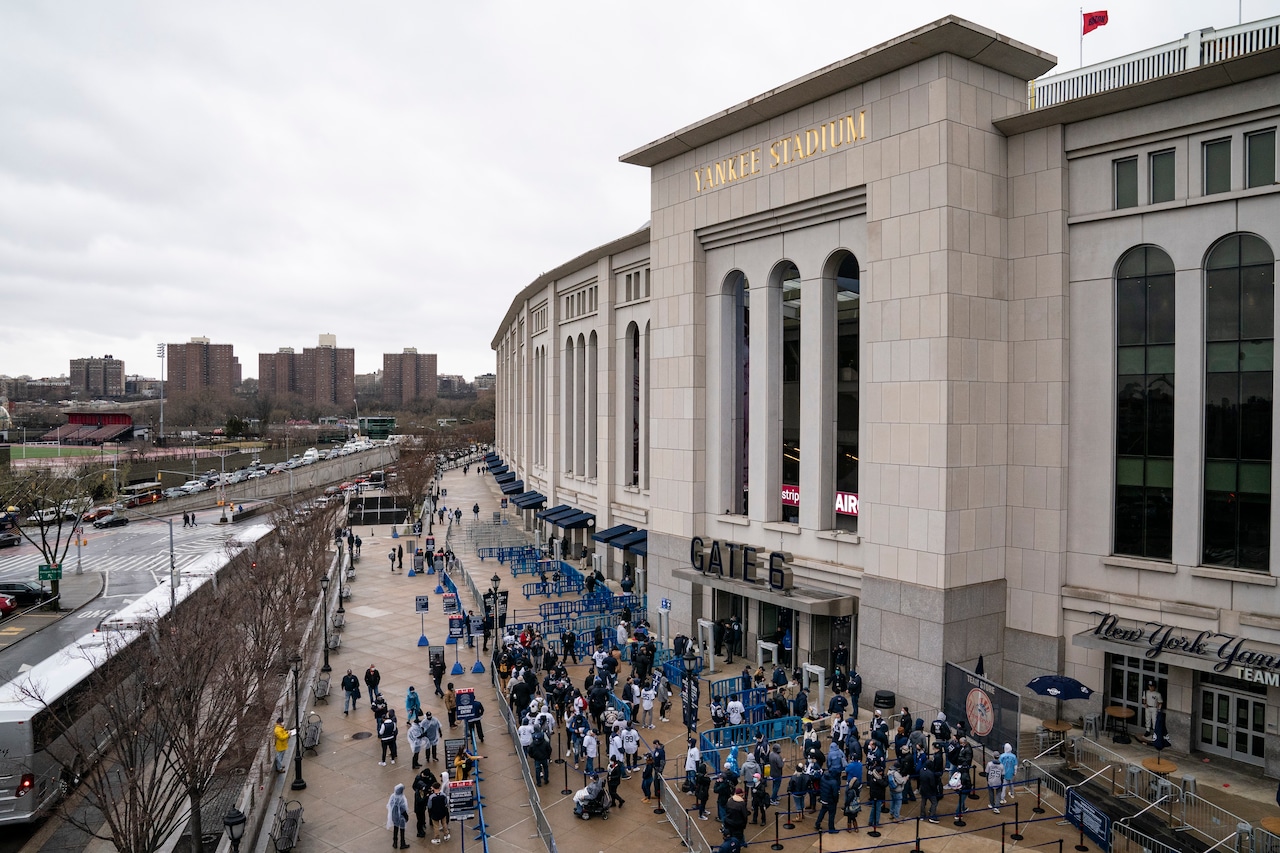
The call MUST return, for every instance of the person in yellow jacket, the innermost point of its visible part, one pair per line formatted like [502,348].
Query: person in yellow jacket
[282,743]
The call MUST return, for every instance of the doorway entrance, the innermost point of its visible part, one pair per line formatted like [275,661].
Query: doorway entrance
[1232,723]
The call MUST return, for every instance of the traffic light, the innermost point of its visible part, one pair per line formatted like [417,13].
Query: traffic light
[253,564]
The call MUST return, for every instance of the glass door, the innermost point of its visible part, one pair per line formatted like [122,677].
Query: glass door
[1232,724]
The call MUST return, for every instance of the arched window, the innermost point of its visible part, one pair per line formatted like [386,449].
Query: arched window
[848,370]
[1144,404]
[567,422]
[631,380]
[788,292]
[593,401]
[1239,347]
[581,378]
[739,290]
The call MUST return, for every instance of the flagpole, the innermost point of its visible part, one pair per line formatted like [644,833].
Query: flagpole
[1081,22]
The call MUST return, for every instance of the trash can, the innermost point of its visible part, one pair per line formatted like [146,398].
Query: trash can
[885,699]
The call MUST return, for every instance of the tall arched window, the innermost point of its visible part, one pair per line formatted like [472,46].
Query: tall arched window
[581,377]
[848,370]
[1144,404]
[567,422]
[593,401]
[739,289]
[789,381]
[631,385]
[1239,347]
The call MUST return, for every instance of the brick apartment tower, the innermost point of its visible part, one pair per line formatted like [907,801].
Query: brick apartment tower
[200,365]
[408,375]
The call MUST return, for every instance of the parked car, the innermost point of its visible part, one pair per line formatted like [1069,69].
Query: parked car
[10,540]
[113,520]
[174,492]
[7,605]
[48,515]
[25,592]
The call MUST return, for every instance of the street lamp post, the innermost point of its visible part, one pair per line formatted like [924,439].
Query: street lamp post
[173,562]
[234,822]
[295,663]
[494,583]
[324,613]
[341,609]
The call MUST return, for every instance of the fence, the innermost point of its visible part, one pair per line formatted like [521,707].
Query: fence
[535,801]
[1126,839]
[1202,47]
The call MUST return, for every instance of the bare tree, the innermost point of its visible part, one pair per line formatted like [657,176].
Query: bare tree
[415,468]
[57,500]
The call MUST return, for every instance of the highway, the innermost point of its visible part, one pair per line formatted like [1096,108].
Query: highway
[131,560]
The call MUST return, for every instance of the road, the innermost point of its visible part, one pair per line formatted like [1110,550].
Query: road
[132,560]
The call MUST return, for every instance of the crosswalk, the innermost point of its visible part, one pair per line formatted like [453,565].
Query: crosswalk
[23,568]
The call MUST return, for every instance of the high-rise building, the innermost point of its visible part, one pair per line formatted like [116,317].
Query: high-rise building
[198,364]
[408,375]
[324,374]
[97,377]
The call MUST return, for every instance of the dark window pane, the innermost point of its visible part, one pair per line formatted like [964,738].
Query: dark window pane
[1254,250]
[1162,171]
[1131,416]
[1257,292]
[1221,420]
[1131,311]
[1225,255]
[1217,166]
[1160,416]
[1160,309]
[1219,529]
[1133,264]
[1255,415]
[1255,531]
[1260,154]
[1222,305]
[1129,518]
[1159,524]
[1126,183]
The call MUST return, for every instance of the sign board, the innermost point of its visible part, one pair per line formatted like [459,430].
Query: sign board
[466,697]
[666,605]
[477,624]
[989,711]
[451,603]
[502,609]
[455,627]
[50,573]
[419,562]
[452,745]
[422,604]
[504,503]
[431,542]
[462,799]
[690,696]
[1089,819]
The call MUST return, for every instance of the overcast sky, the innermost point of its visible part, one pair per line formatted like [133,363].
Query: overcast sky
[390,172]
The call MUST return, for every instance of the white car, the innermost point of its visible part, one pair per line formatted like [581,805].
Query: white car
[195,486]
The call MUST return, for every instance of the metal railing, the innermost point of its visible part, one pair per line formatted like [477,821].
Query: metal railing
[1126,839]
[1211,822]
[1264,841]
[526,772]
[1201,47]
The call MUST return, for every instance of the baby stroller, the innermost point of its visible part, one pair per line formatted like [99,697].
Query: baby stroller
[592,800]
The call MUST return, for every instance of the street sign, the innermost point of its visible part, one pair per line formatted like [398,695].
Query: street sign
[455,627]
[666,604]
[465,696]
[422,604]
[451,602]
[50,573]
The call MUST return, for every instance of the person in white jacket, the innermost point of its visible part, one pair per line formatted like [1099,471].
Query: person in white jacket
[691,759]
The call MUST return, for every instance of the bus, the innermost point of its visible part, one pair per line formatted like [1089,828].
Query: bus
[38,762]
[141,494]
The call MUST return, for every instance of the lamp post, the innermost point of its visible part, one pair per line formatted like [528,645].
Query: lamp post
[173,562]
[689,690]
[491,611]
[341,609]
[324,620]
[234,822]
[295,663]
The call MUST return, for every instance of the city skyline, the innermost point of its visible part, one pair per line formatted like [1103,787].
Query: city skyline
[250,173]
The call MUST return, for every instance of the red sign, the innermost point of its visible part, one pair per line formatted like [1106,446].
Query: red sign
[846,502]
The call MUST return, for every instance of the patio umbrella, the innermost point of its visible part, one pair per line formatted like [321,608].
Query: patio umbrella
[981,668]
[1059,687]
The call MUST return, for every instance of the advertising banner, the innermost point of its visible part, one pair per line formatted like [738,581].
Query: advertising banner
[988,711]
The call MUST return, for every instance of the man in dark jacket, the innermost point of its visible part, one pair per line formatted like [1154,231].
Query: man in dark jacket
[350,690]
[930,792]
[829,798]
[736,814]
[422,785]
[540,751]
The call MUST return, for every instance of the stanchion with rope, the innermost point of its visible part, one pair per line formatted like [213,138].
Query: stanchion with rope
[1038,809]
[1080,845]
[788,824]
[657,792]
[1016,836]
[916,849]
[566,790]
[559,745]
[776,845]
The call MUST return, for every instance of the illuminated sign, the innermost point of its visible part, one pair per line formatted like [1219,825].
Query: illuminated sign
[846,502]
[740,562]
[783,151]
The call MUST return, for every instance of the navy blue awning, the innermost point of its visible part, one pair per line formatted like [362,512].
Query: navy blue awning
[581,518]
[495,470]
[492,457]
[505,476]
[514,487]
[630,541]
[612,533]
[555,509]
[529,500]
[554,517]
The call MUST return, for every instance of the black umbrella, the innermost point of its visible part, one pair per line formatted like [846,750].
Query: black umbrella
[1160,740]
[1059,687]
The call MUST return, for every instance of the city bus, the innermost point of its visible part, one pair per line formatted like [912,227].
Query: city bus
[38,762]
[141,494]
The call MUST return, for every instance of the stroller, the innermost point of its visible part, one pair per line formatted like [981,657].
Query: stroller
[592,800]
